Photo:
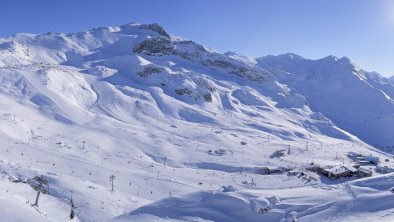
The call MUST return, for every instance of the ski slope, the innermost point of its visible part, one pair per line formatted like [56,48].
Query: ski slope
[177,124]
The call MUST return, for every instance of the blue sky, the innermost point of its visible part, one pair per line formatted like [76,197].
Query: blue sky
[362,30]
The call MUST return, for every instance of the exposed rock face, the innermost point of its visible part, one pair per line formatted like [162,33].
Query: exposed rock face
[131,28]
[183,91]
[208,97]
[250,73]
[15,49]
[155,46]
[156,28]
[149,70]
[194,52]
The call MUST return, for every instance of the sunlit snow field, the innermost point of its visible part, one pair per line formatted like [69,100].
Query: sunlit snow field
[184,130]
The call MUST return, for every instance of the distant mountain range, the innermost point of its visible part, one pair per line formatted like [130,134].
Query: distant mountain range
[70,74]
[163,116]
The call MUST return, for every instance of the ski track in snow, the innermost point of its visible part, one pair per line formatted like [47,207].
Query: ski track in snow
[184,130]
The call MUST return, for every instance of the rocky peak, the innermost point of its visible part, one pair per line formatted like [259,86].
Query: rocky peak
[150,27]
[155,46]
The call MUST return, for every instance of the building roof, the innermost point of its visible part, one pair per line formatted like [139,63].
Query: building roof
[341,169]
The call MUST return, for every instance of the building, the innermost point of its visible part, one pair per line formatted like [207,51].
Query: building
[367,160]
[271,170]
[362,172]
[354,155]
[363,160]
[263,170]
[337,172]
[372,159]
[384,169]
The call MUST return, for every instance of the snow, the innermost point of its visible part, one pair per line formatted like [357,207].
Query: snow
[349,202]
[340,169]
[356,101]
[184,131]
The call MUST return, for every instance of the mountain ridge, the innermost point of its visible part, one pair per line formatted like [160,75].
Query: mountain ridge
[175,122]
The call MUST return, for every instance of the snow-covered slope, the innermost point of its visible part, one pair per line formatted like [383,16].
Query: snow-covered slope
[137,71]
[356,101]
[391,79]
[364,200]
[171,119]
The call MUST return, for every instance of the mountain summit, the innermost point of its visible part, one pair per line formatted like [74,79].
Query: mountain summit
[142,125]
[355,100]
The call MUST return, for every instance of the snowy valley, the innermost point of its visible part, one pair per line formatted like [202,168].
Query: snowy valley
[188,133]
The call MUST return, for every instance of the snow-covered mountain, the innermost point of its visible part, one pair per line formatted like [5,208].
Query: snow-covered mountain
[356,101]
[150,76]
[391,79]
[175,121]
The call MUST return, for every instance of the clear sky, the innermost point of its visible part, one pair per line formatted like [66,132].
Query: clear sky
[362,30]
